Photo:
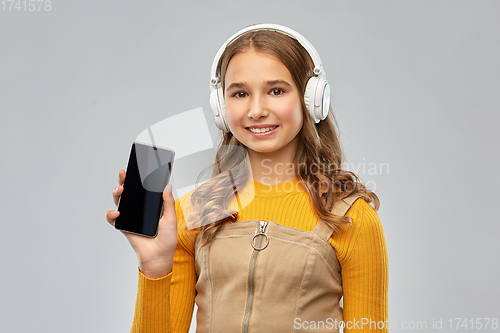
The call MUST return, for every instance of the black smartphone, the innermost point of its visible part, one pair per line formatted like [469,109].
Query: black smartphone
[148,172]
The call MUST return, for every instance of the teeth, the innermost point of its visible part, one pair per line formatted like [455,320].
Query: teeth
[261,130]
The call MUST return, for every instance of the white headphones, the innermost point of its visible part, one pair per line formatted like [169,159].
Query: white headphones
[316,95]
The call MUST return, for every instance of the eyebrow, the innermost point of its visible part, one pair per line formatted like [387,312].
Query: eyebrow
[268,83]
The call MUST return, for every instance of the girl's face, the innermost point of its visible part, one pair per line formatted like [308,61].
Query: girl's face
[259,84]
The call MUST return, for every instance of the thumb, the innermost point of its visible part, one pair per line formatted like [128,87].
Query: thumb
[169,205]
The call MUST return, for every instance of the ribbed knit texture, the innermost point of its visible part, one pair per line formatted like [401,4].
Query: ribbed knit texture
[361,251]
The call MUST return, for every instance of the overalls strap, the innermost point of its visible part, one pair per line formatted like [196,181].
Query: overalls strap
[323,229]
[342,206]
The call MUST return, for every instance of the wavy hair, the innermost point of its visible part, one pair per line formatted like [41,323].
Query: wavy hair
[318,160]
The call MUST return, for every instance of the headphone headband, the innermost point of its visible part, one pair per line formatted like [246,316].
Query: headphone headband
[318,66]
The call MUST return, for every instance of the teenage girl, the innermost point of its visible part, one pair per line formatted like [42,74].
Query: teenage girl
[306,249]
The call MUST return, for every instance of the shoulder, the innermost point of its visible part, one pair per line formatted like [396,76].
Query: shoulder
[184,201]
[366,228]
[364,216]
[365,219]
[366,224]
[186,234]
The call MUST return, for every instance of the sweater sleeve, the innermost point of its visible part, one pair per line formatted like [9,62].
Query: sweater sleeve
[365,272]
[166,305]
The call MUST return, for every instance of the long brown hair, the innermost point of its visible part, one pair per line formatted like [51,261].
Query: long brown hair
[318,160]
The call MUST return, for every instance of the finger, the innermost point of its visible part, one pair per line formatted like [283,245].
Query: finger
[111,216]
[117,192]
[121,176]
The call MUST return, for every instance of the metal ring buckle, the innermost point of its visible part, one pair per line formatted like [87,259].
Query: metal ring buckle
[263,247]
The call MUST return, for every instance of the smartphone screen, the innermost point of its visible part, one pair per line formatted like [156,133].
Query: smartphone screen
[148,172]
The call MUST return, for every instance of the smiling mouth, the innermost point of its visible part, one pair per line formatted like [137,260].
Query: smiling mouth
[261,130]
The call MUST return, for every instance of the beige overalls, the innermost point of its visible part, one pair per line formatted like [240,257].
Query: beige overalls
[260,276]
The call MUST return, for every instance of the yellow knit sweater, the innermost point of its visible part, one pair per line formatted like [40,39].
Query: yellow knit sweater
[166,304]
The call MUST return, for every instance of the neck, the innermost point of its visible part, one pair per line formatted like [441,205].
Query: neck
[272,168]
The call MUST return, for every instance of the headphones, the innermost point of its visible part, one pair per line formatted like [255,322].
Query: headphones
[316,94]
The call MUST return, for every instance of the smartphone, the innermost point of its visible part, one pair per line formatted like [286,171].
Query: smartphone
[148,172]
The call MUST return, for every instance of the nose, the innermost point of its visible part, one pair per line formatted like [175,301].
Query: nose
[258,107]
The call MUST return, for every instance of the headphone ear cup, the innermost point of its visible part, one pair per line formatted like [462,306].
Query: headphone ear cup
[219,109]
[309,96]
[222,105]
[317,98]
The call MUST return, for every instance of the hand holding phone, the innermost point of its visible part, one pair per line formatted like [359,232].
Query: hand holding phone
[155,254]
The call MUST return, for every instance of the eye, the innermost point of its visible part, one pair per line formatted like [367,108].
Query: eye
[277,91]
[239,94]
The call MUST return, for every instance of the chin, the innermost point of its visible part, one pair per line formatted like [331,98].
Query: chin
[263,150]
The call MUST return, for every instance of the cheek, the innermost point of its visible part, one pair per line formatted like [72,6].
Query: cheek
[230,115]
[292,113]
[234,118]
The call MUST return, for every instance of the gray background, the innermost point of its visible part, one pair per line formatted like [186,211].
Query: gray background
[414,85]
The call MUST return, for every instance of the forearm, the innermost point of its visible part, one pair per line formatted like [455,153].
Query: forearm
[166,304]
[152,308]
